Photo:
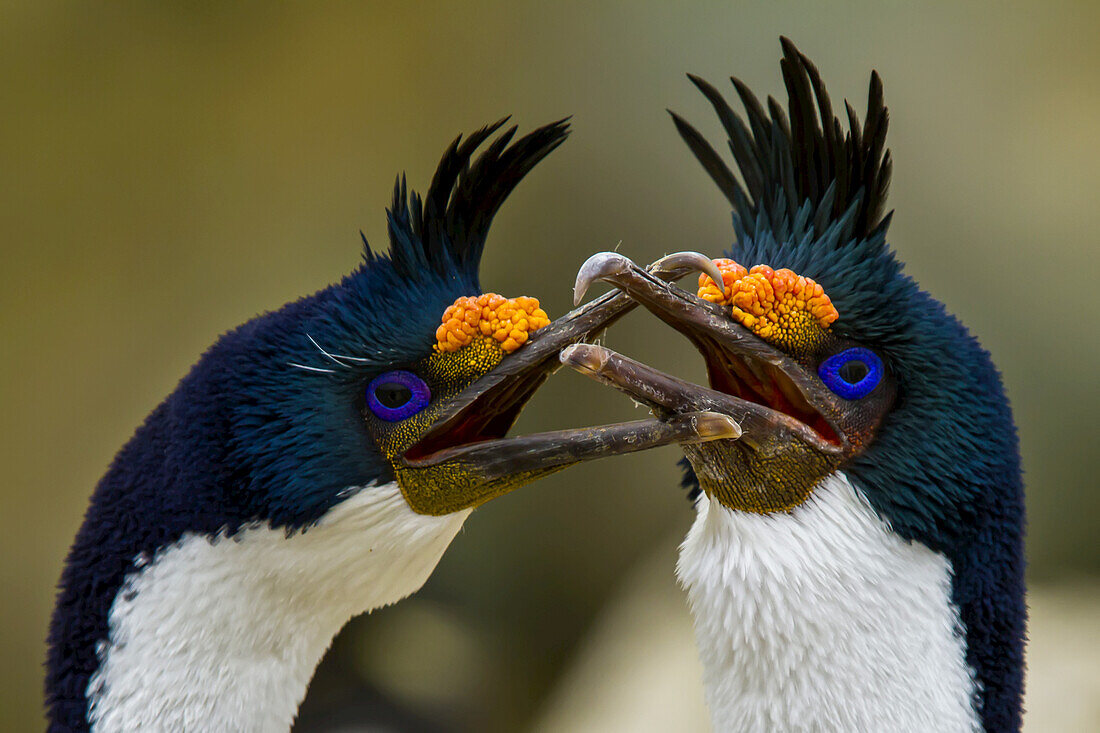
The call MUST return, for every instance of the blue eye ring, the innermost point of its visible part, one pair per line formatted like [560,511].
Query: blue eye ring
[830,373]
[391,386]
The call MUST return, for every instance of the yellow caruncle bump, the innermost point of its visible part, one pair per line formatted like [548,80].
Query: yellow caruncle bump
[506,322]
[779,306]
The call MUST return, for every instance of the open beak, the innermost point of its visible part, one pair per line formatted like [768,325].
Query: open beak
[780,405]
[464,459]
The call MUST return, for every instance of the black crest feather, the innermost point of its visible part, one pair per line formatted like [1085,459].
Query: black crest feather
[807,157]
[444,231]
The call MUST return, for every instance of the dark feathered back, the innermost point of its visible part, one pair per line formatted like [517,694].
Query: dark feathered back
[808,157]
[444,232]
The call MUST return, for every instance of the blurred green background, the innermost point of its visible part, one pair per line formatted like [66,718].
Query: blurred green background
[171,169]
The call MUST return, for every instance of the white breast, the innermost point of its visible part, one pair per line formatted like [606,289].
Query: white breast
[224,634]
[824,620]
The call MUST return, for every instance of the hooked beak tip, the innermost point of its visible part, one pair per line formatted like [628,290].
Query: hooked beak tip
[598,267]
[585,357]
[715,425]
[691,261]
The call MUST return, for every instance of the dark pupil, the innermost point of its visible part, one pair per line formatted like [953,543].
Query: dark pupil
[392,394]
[853,371]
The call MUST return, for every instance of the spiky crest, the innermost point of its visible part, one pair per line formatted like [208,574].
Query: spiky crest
[444,232]
[806,158]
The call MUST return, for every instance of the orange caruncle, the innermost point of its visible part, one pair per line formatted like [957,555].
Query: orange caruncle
[506,321]
[779,306]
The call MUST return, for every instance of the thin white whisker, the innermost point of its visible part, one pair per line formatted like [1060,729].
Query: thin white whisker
[352,358]
[311,369]
[330,356]
[339,357]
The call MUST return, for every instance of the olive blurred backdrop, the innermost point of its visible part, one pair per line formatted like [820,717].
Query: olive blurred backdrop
[171,169]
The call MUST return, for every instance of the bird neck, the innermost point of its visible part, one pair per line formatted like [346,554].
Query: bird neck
[823,618]
[224,633]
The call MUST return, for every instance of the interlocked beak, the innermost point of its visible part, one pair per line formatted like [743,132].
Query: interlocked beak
[452,467]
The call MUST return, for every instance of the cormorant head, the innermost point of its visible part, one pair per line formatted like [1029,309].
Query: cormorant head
[819,346]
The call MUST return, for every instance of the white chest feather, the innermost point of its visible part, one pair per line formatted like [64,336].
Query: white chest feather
[823,620]
[224,634]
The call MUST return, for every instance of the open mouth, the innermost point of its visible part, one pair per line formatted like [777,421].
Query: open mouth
[771,396]
[762,384]
[489,416]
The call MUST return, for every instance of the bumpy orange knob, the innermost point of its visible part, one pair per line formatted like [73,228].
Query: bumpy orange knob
[507,322]
[779,306]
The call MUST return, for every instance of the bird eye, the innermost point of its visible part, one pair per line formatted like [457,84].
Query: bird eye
[397,395]
[853,373]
